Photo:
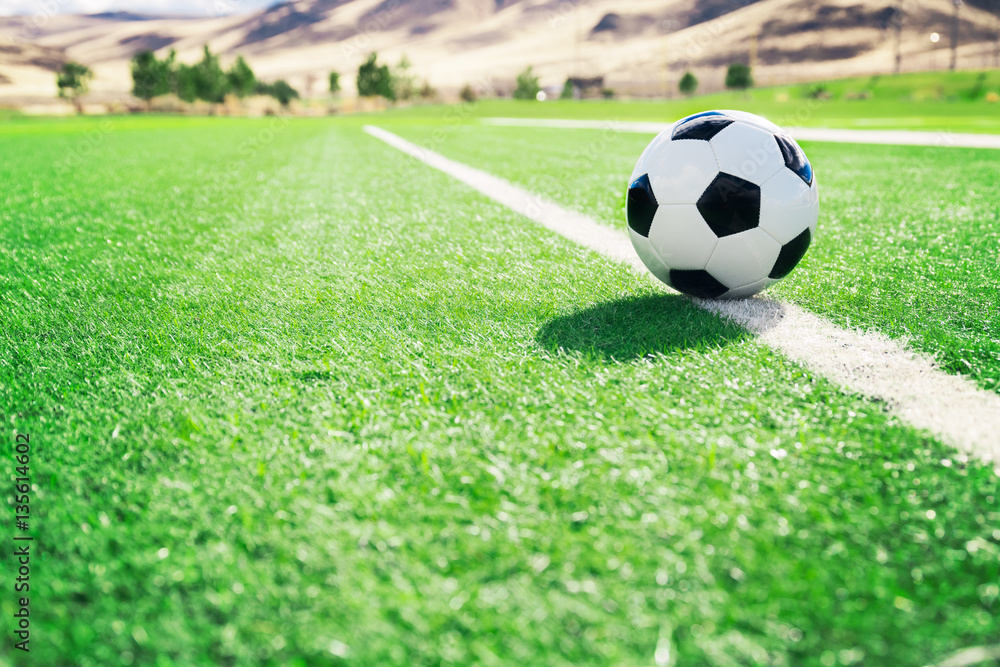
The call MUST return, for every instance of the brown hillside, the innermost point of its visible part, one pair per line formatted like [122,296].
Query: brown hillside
[486,42]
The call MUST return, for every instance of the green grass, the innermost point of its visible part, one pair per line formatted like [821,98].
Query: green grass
[296,399]
[932,101]
[908,240]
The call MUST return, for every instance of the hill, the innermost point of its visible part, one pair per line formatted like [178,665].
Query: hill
[486,42]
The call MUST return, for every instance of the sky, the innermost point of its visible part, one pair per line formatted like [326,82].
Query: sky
[183,7]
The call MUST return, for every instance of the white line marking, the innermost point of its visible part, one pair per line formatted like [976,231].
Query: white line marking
[912,386]
[942,139]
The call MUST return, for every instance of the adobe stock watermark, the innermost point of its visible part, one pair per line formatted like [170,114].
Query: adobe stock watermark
[251,146]
[584,157]
[32,26]
[898,14]
[943,140]
[562,12]
[362,41]
[758,156]
[802,113]
[458,114]
[22,542]
[707,34]
[92,139]
[225,7]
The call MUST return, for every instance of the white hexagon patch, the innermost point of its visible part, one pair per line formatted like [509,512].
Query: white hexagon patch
[745,258]
[748,152]
[681,238]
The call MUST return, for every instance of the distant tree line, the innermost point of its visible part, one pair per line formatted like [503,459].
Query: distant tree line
[738,77]
[579,87]
[527,86]
[393,83]
[205,80]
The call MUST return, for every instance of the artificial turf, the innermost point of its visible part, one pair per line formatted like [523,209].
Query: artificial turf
[908,242]
[296,399]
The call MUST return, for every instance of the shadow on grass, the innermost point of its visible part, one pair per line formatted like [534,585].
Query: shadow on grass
[636,327]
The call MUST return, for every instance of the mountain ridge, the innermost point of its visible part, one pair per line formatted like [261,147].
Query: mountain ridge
[639,47]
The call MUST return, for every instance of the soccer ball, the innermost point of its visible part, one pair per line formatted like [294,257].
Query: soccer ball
[722,204]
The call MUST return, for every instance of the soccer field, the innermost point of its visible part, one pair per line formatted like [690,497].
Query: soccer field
[296,398]
[909,247]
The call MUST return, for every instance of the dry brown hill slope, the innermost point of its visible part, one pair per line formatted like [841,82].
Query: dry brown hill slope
[486,42]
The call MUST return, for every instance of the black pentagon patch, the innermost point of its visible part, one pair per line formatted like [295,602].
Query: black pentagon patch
[701,126]
[790,255]
[730,205]
[641,206]
[700,284]
[795,159]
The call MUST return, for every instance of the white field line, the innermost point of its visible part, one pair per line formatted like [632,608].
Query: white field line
[911,385]
[941,139]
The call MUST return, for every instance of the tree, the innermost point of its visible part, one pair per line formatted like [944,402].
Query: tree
[210,81]
[334,82]
[467,94]
[739,77]
[375,80]
[688,84]
[240,79]
[186,83]
[527,85]
[204,80]
[151,77]
[279,90]
[403,82]
[73,81]
[568,91]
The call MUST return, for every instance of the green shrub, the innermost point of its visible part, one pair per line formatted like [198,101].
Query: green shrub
[819,92]
[404,84]
[739,77]
[279,90]
[978,88]
[427,91]
[688,84]
[375,80]
[527,85]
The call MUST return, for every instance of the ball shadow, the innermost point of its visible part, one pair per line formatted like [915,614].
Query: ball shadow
[636,327]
